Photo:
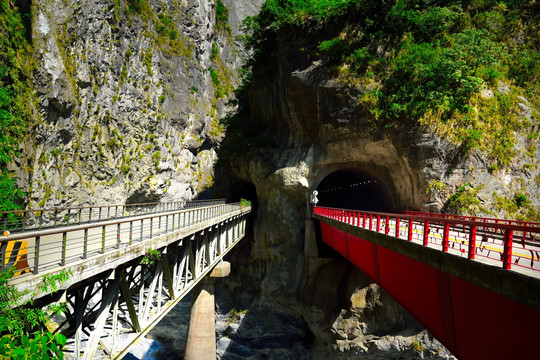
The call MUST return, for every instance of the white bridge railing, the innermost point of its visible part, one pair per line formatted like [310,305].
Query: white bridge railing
[39,250]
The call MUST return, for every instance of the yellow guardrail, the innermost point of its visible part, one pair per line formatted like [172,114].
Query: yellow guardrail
[14,253]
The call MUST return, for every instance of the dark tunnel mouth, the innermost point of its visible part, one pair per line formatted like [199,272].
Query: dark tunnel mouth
[354,189]
[245,190]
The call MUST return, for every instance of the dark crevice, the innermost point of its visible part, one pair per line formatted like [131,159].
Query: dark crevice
[245,190]
[25,9]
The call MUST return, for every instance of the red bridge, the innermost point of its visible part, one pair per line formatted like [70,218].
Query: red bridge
[474,283]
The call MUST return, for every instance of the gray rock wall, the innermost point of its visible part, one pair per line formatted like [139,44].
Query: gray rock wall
[313,125]
[126,107]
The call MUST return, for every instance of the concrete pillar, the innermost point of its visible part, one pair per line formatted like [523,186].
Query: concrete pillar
[310,242]
[201,333]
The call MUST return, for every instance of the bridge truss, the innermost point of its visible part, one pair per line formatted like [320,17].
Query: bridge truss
[121,289]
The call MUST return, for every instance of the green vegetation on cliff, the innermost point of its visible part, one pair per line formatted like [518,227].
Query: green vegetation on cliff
[15,97]
[423,62]
[222,17]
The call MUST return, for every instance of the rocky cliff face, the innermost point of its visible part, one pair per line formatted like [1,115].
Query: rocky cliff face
[313,125]
[128,99]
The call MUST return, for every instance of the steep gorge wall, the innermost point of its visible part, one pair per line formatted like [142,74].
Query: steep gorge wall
[312,124]
[127,109]
[128,96]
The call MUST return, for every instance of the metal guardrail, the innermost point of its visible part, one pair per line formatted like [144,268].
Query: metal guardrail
[505,243]
[22,220]
[471,218]
[53,247]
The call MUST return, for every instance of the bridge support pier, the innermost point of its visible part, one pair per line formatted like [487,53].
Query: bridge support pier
[310,242]
[201,333]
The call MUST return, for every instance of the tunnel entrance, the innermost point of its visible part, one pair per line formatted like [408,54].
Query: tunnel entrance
[354,189]
[245,190]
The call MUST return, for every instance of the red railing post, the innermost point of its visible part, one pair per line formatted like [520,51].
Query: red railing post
[378,223]
[426,232]
[472,242]
[507,256]
[370,221]
[446,234]
[397,227]
[410,229]
[387,227]
[358,220]
[364,216]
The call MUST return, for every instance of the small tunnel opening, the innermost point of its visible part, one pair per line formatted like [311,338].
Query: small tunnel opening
[245,190]
[353,189]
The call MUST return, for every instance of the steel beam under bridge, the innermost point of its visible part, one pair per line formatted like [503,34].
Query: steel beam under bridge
[115,295]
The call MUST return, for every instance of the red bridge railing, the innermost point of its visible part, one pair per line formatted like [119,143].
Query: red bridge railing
[471,218]
[500,242]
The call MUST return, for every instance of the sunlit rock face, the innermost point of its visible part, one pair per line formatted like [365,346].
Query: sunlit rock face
[128,99]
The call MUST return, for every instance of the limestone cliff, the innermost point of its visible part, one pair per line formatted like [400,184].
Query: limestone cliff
[128,96]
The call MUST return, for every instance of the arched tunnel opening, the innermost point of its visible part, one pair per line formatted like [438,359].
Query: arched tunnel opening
[355,189]
[245,190]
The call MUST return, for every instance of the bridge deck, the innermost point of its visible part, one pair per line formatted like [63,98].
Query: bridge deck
[512,245]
